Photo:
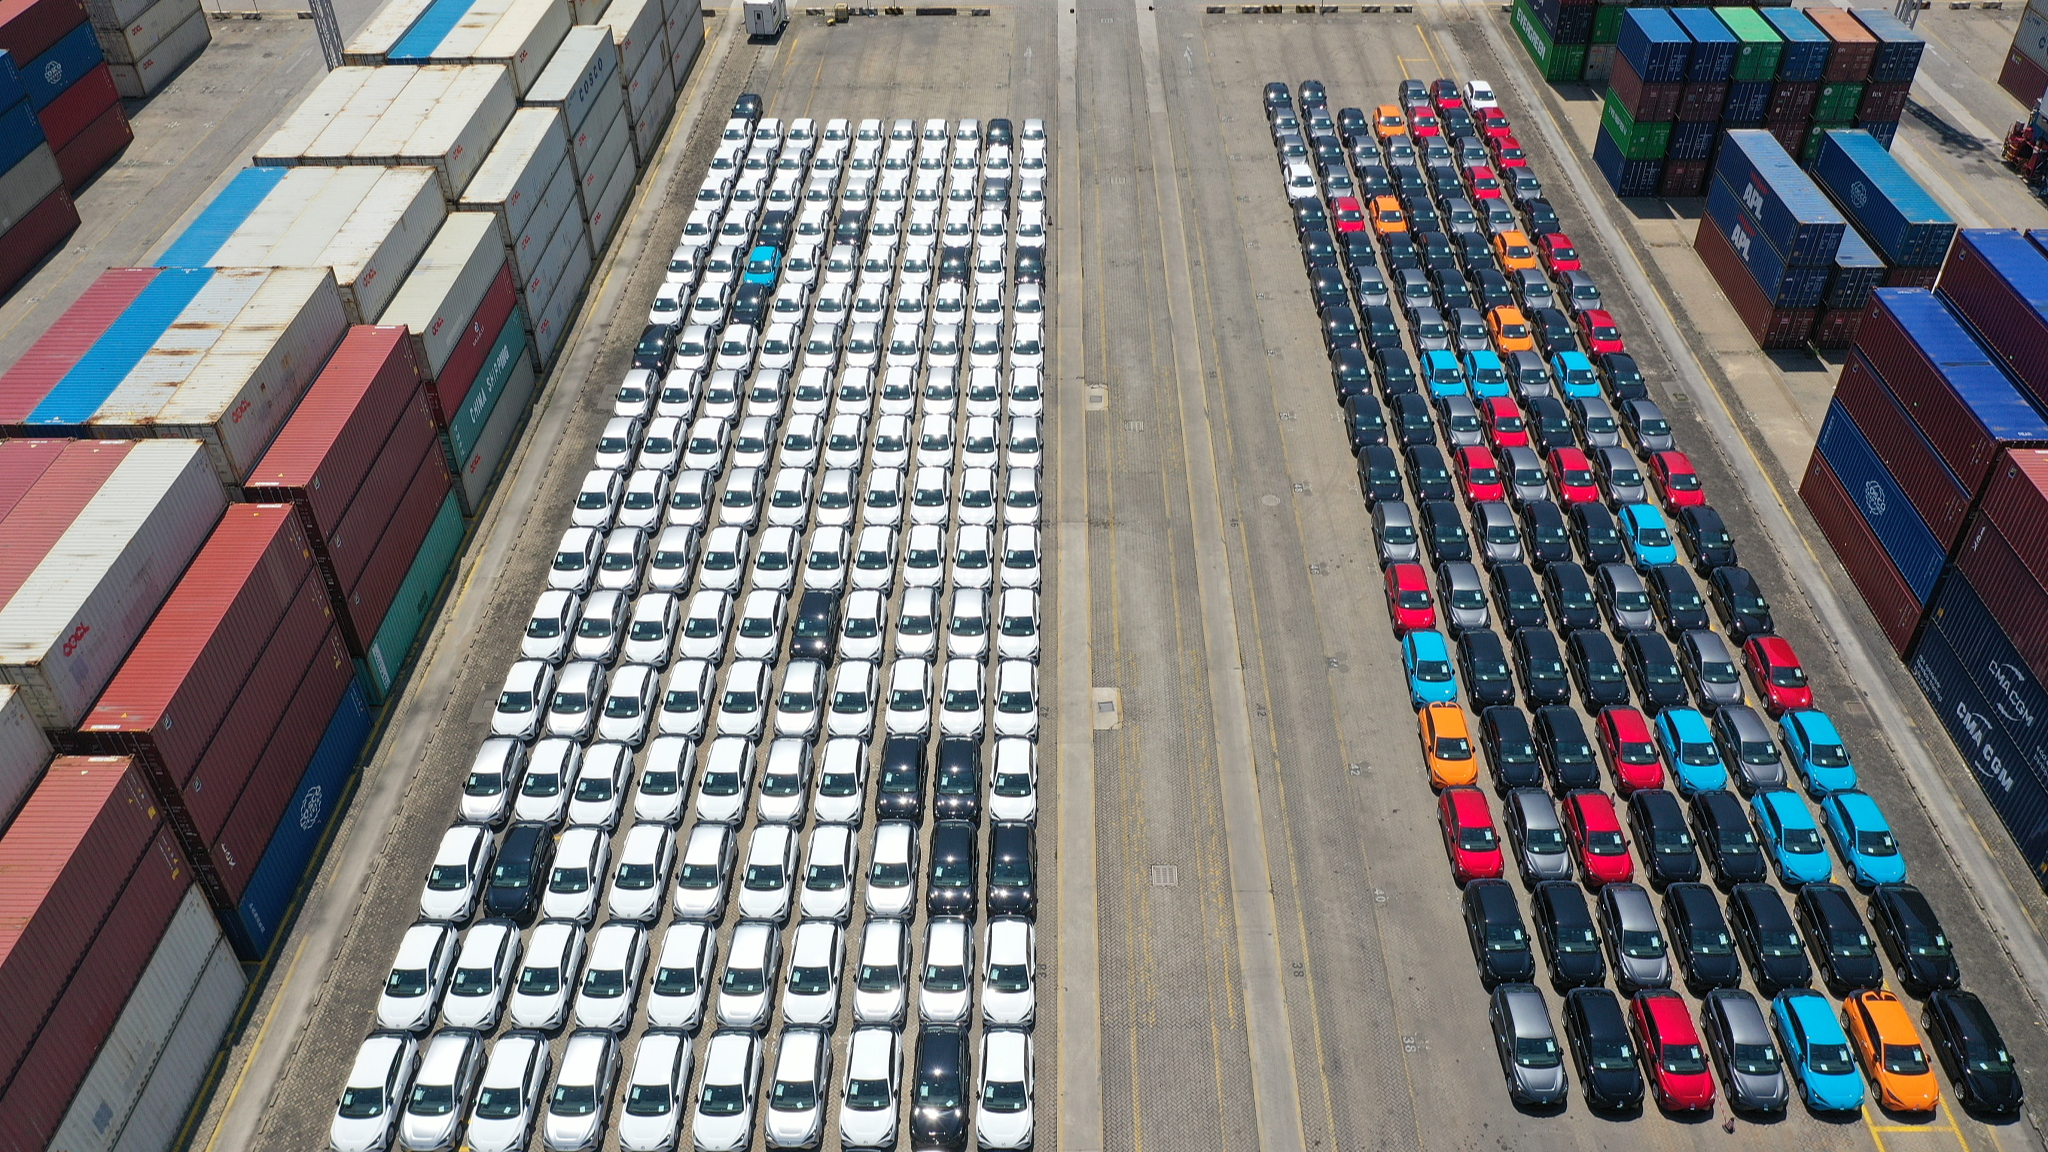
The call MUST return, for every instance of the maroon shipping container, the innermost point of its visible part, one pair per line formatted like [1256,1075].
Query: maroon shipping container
[2016,499]
[1836,328]
[332,439]
[1886,593]
[28,380]
[2009,590]
[81,104]
[236,851]
[1917,384]
[1701,99]
[1644,101]
[37,234]
[46,511]
[1790,133]
[2023,79]
[1854,50]
[1792,101]
[2005,321]
[459,374]
[29,27]
[22,463]
[90,151]
[34,1104]
[1895,277]
[1883,101]
[345,552]
[1683,178]
[63,864]
[1769,327]
[1937,495]
[370,599]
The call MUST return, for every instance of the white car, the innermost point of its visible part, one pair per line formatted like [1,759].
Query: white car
[721,569]
[967,625]
[785,782]
[1003,1112]
[484,970]
[924,557]
[853,700]
[599,626]
[1027,392]
[597,500]
[723,1119]
[1479,94]
[868,1101]
[743,708]
[582,858]
[629,702]
[753,443]
[882,974]
[862,625]
[891,890]
[1021,496]
[704,447]
[705,625]
[661,449]
[652,1118]
[581,1102]
[374,1094]
[842,783]
[978,443]
[550,626]
[801,701]
[789,495]
[811,397]
[641,507]
[701,877]
[910,698]
[601,786]
[917,624]
[522,702]
[1020,557]
[449,1066]
[419,976]
[778,560]
[617,443]
[891,447]
[736,348]
[550,778]
[508,1098]
[977,503]
[882,503]
[650,629]
[682,972]
[874,559]
[835,504]
[1016,699]
[846,441]
[572,710]
[686,701]
[665,780]
[829,867]
[931,498]
[455,879]
[899,391]
[770,876]
[763,617]
[816,958]
[548,975]
[611,976]
[778,348]
[725,779]
[962,705]
[694,344]
[746,992]
[618,564]
[641,875]
[689,500]
[1013,784]
[973,557]
[945,994]
[825,563]
[678,395]
[796,1096]
[493,776]
[1009,985]
[984,393]
[739,506]
[1017,625]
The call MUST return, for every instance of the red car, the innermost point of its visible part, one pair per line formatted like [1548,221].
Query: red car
[1774,670]
[1502,418]
[1479,472]
[1494,122]
[1597,326]
[1572,475]
[1557,252]
[1423,122]
[1630,751]
[1349,215]
[1408,600]
[1594,833]
[1485,185]
[1671,1047]
[1676,482]
[1510,154]
[1469,838]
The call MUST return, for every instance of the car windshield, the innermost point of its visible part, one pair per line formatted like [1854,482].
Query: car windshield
[648,1100]
[431,1100]
[544,627]
[1828,756]
[596,789]
[945,978]
[1831,1059]
[1710,942]
[573,1100]
[1578,939]
[500,1103]
[1682,1059]
[1005,1096]
[764,877]
[1801,841]
[515,703]
[406,982]
[1605,842]
[622,707]
[1788,676]
[362,1103]
[1778,942]
[743,981]
[448,877]
[722,1099]
[1921,942]
[483,784]
[1538,1052]
[675,981]
[721,783]
[1435,671]
[810,981]
[1905,1059]
[1476,839]
[1453,748]
[793,1096]
[570,880]
[1643,944]
[1671,839]
[1878,843]
[1506,938]
[539,982]
[1847,940]
[473,982]
[888,874]
[1611,1055]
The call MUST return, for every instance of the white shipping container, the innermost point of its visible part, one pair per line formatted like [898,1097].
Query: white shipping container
[560,206]
[175,353]
[446,286]
[685,42]
[459,42]
[359,116]
[131,40]
[582,65]
[383,239]
[459,131]
[525,39]
[300,191]
[610,205]
[374,41]
[154,1123]
[153,71]
[651,122]
[385,139]
[28,184]
[597,175]
[24,752]
[495,441]
[2032,38]
[588,11]
[607,116]
[117,13]
[648,78]
[554,322]
[766,17]
[121,1071]
[322,105]
[519,169]
[74,619]
[636,27]
[538,289]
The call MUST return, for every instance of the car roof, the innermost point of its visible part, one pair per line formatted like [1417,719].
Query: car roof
[1815,1015]
[1468,804]
[1527,1012]
[1595,809]
[1667,1009]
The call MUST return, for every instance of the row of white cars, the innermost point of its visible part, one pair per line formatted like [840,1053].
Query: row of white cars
[617,665]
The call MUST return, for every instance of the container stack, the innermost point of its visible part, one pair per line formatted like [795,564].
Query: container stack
[640,30]
[1770,238]
[1555,34]
[585,83]
[70,87]
[1893,212]
[527,193]
[147,41]
[36,212]
[2025,75]
[24,751]
[444,116]
[1892,68]
[521,36]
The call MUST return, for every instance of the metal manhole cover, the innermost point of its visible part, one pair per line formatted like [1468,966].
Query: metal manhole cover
[1166,875]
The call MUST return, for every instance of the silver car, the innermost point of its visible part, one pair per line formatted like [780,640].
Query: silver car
[1619,476]
[1497,532]
[1621,592]
[817,956]
[1461,423]
[611,977]
[372,1097]
[653,1116]
[642,873]
[581,1102]
[1526,477]
[1537,835]
[1747,747]
[705,872]
[456,877]
[419,975]
[682,974]
[1393,533]
[1526,1041]
[1463,594]
[508,1099]
[547,977]
[746,992]
[553,622]
[1634,941]
[1709,669]
[1645,421]
[582,858]
[1593,419]
[493,776]
[664,780]
[723,1120]
[450,1064]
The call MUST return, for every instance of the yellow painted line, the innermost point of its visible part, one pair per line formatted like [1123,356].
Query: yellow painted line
[260,1033]
[1426,48]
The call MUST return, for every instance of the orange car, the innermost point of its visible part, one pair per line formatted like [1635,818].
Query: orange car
[1388,121]
[1510,329]
[1890,1047]
[1387,216]
[1447,746]
[1514,250]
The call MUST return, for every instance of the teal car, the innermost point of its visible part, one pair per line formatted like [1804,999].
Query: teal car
[1790,837]
[764,263]
[1575,374]
[1647,536]
[1427,661]
[1863,839]
[1486,374]
[1817,1049]
[1689,751]
[1817,752]
[1444,375]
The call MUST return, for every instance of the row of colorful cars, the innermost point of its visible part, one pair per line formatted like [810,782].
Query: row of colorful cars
[1564,500]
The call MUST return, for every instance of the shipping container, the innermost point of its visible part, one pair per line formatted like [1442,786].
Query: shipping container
[494,445]
[20,130]
[46,76]
[1693,140]
[2016,500]
[1794,215]
[2023,79]
[466,423]
[516,175]
[411,519]
[1881,501]
[560,206]
[1683,178]
[12,90]
[322,455]
[459,24]
[1857,273]
[24,752]
[1713,46]
[411,608]
[49,501]
[585,65]
[1890,600]
[2013,787]
[29,183]
[1749,102]
[94,146]
[149,74]
[29,28]
[2031,40]
[606,211]
[1769,326]
[1627,177]
[442,116]
[602,162]
[345,548]
[555,322]
[637,28]
[1998,281]
[554,262]
[686,42]
[1883,101]
[33,236]
[1995,566]
[158,1118]
[524,40]
[2015,695]
[1837,101]
[650,121]
[70,114]
[1791,100]
[1758,48]
[372,44]
[444,291]
[1853,48]
[115,13]
[1644,99]
[1805,58]
[1898,47]
[133,39]
[607,109]
[498,312]
[1905,451]
[1835,328]
[1782,285]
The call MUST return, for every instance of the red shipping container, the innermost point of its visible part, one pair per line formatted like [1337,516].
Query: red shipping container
[1886,593]
[81,104]
[1640,99]
[2011,591]
[34,1104]
[1792,101]
[1702,100]
[1790,133]
[37,234]
[2016,499]
[1911,277]
[344,553]
[185,674]
[1969,451]
[2023,79]
[29,27]
[207,796]
[332,439]
[90,151]
[235,852]
[1854,49]
[459,374]
[1885,101]
[395,552]
[46,511]
[1836,328]
[1683,178]
[22,463]
[1937,495]
[63,864]
[1769,327]
[30,378]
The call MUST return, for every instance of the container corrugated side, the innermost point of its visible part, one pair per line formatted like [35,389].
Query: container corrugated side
[1881,501]
[603,162]
[22,463]
[25,185]
[686,43]
[559,207]
[69,338]
[66,630]
[2016,499]
[446,286]
[288,142]
[456,132]
[46,508]
[497,312]
[31,238]
[321,456]
[416,597]
[1998,281]
[1898,47]
[1937,495]
[636,28]
[583,67]
[524,39]
[467,422]
[1852,48]
[371,598]
[159,1114]
[2009,783]
[651,120]
[1887,205]
[154,70]
[584,143]
[381,241]
[609,207]
[554,262]
[1769,326]
[1885,592]
[374,40]
[24,752]
[1797,217]
[2017,698]
[346,548]
[1992,562]
[481,466]
[1806,46]
[644,84]
[307,205]
[128,396]
[382,137]
[29,27]
[522,164]
[131,39]
[554,323]
[69,115]
[1783,284]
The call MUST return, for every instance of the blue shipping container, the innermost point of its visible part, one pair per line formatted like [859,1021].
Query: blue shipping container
[1791,210]
[1713,45]
[11,88]
[1898,47]
[278,875]
[63,64]
[426,33]
[1692,139]
[1806,47]
[1784,286]
[195,246]
[20,132]
[1748,100]
[1995,666]
[1656,48]
[1882,131]
[1858,272]
[1890,207]
[2014,790]
[1627,177]
[120,348]
[1883,504]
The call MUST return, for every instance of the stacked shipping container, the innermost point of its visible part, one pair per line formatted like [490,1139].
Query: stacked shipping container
[69,84]
[147,41]
[1769,237]
[36,212]
[2025,74]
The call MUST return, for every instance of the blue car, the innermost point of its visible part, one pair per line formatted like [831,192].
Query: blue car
[1863,839]
[1690,754]
[763,264]
[1647,536]
[1817,1050]
[1817,752]
[1444,375]
[1790,837]
[1487,375]
[1427,660]
[1575,374]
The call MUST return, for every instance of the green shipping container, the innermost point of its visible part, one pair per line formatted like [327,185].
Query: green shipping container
[1639,139]
[1607,23]
[1761,50]
[1838,102]
[416,595]
[466,423]
[1568,62]
[1810,151]
[1534,39]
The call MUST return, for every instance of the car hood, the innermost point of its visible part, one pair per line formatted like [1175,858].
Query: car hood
[1548,865]
[1837,1092]
[722,1132]
[1003,1129]
[571,1131]
[496,1135]
[422,1132]
[1768,1092]
[1645,972]
[857,1127]
[1541,1083]
[938,1125]
[792,1127]
[1616,1086]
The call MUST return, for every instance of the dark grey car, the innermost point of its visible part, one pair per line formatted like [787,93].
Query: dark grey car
[1530,375]
[1431,332]
[1748,749]
[1744,1053]
[1709,671]
[1645,421]
[1537,836]
[1463,596]
[1497,532]
[1523,470]
[1530,1057]
[1635,943]
[1469,328]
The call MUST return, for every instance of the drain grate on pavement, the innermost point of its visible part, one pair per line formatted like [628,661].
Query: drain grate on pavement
[1166,875]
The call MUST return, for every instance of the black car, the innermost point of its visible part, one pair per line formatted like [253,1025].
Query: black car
[747,107]
[1738,1038]
[1595,670]
[852,226]
[1972,1052]
[654,349]
[1493,926]
[1595,535]
[1571,597]
[1422,217]
[956,793]
[1623,379]
[1768,938]
[1492,290]
[1309,213]
[1428,475]
[1657,824]
[952,871]
[1483,668]
[775,226]
[1603,1049]
[1312,95]
[1564,927]
[520,871]
[1721,830]
[1474,249]
[1676,599]
[1331,296]
[1443,532]
[999,131]
[1566,753]
[1340,329]
[1030,266]
[1510,749]
[1705,537]
[1546,537]
[1379,474]
[900,795]
[1350,373]
[938,1108]
[1365,422]
[1318,249]
[1739,603]
[1653,672]
[1380,328]
[1911,934]
[1278,96]
[817,625]
[1539,665]
[749,304]
[1699,935]
[1352,126]
[1517,598]
[1012,870]
[1553,331]
[1550,424]
[1402,255]
[1373,179]
[1397,373]
[1452,289]
[1413,423]
[1838,939]
[1542,217]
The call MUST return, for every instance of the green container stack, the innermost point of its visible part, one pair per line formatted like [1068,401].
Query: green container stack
[1639,139]
[1836,106]
[1762,48]
[1607,23]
